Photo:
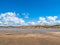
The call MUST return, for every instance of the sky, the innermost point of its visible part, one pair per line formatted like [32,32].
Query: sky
[29,12]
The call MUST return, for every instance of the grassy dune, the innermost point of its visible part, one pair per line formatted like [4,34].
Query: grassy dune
[52,38]
[37,26]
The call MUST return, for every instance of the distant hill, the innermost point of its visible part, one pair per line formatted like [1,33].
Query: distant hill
[37,26]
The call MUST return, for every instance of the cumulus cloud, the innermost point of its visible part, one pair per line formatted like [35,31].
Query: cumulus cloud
[10,18]
[26,15]
[52,18]
[42,20]
[48,20]
[31,23]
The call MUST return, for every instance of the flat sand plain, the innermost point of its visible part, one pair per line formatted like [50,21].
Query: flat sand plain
[44,36]
[51,38]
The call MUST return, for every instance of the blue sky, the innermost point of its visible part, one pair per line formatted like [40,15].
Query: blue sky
[33,9]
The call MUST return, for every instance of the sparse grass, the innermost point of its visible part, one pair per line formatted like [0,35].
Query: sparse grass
[36,26]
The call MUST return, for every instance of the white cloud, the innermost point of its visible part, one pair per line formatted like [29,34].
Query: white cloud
[26,15]
[49,20]
[42,21]
[32,23]
[10,18]
[52,18]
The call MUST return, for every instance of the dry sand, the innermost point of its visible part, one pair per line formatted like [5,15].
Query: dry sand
[52,38]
